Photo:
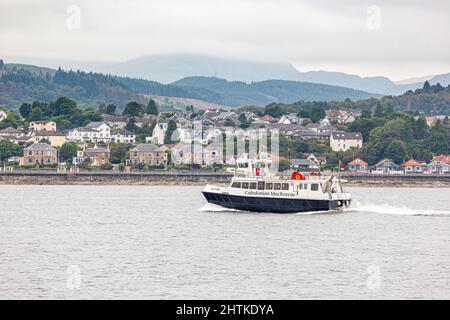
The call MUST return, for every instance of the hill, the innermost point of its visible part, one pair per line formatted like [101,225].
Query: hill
[237,93]
[25,83]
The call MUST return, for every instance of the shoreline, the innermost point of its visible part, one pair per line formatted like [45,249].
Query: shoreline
[137,182]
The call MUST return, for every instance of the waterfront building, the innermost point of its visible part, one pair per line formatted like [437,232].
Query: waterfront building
[343,141]
[114,122]
[413,166]
[358,165]
[386,166]
[96,156]
[149,154]
[39,153]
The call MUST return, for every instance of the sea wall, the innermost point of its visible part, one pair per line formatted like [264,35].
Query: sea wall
[201,178]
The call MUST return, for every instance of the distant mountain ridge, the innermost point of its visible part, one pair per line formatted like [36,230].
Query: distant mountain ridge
[28,83]
[170,68]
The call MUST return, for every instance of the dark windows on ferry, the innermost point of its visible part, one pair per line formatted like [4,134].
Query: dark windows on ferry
[244,185]
[314,187]
[285,186]
[236,185]
[253,185]
[269,186]
[277,186]
[261,185]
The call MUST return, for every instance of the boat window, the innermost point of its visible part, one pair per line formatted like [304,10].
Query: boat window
[314,187]
[244,185]
[285,186]
[252,185]
[236,185]
[261,185]
[277,186]
[269,186]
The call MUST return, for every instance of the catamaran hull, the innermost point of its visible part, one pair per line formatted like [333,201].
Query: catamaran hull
[276,205]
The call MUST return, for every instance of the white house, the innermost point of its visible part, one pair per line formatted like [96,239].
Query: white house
[93,132]
[123,136]
[343,141]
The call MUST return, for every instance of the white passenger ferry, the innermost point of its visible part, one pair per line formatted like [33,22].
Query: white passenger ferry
[255,188]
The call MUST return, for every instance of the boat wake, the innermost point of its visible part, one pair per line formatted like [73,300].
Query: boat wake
[394,210]
[209,207]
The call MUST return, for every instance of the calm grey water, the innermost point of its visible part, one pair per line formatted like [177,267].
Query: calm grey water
[108,242]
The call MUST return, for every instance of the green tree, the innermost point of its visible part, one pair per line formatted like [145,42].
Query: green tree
[152,108]
[317,114]
[36,114]
[379,111]
[11,119]
[111,108]
[64,106]
[133,110]
[438,139]
[67,151]
[9,149]
[25,110]
[420,128]
[2,64]
[119,153]
[396,151]
[426,86]
[171,128]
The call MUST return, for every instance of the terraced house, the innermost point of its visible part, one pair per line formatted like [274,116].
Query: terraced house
[149,154]
[39,153]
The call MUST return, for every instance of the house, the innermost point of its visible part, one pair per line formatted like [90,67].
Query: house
[305,165]
[96,155]
[289,119]
[439,165]
[56,139]
[149,154]
[11,132]
[431,121]
[413,166]
[123,136]
[42,126]
[358,165]
[340,116]
[343,141]
[114,122]
[93,132]
[3,115]
[386,165]
[39,153]
[266,119]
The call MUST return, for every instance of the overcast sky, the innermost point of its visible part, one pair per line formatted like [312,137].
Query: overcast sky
[399,39]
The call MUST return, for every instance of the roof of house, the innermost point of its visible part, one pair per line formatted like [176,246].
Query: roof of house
[442,158]
[146,147]
[94,125]
[385,160]
[96,150]
[40,146]
[10,130]
[41,121]
[358,162]
[346,135]
[123,132]
[49,133]
[412,163]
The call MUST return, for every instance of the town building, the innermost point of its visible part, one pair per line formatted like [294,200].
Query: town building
[343,141]
[42,126]
[114,122]
[413,166]
[11,132]
[96,156]
[149,154]
[438,167]
[39,153]
[123,136]
[358,165]
[386,166]
[56,139]
[93,132]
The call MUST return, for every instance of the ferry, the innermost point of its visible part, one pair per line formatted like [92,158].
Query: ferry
[255,188]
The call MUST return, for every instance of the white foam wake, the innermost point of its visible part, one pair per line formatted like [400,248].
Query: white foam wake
[210,207]
[395,210]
